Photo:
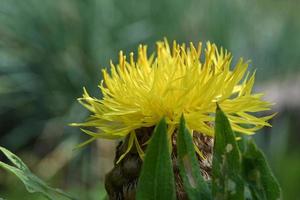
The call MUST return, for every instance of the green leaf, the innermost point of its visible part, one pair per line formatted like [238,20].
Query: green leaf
[227,182]
[193,182]
[157,179]
[261,182]
[32,183]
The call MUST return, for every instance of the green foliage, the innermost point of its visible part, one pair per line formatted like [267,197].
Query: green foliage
[193,182]
[157,180]
[227,182]
[32,183]
[236,174]
[258,175]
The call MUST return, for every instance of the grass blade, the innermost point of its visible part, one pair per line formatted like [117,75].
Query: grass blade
[32,183]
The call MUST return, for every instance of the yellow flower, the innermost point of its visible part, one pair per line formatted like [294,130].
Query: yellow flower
[169,83]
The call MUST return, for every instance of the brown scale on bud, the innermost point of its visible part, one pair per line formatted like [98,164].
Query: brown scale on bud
[121,181]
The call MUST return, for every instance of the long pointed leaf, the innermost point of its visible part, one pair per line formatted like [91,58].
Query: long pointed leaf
[32,183]
[227,182]
[156,181]
[193,182]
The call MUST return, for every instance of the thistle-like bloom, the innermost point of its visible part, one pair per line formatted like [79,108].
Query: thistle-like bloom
[173,82]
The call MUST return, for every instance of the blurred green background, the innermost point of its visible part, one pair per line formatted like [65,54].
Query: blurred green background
[50,49]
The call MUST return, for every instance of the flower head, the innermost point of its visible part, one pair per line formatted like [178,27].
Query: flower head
[172,82]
